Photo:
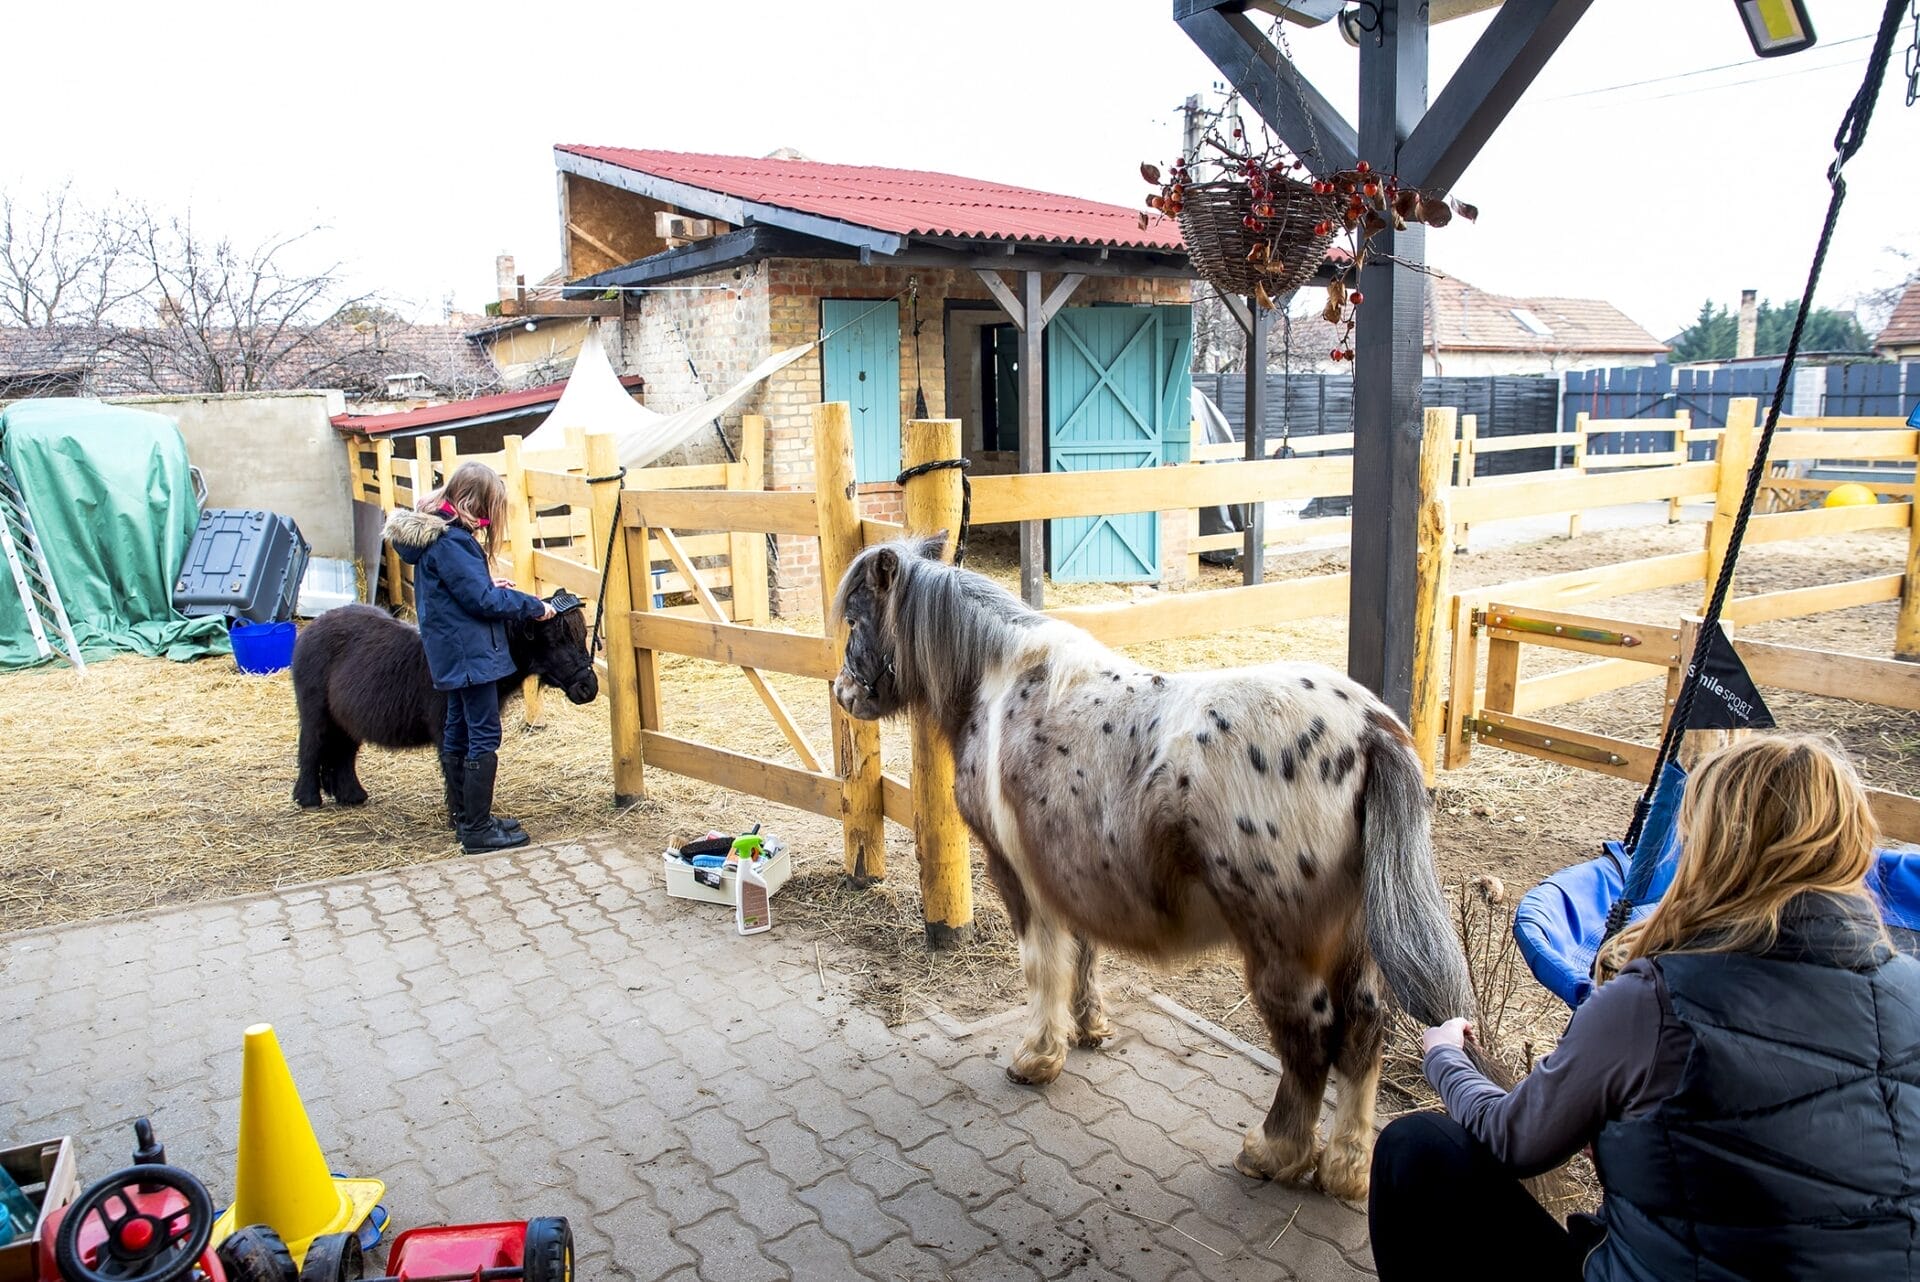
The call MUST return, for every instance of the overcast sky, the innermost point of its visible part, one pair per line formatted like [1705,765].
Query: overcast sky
[420,134]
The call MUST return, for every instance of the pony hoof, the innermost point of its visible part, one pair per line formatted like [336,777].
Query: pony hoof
[1034,1070]
[1093,1035]
[351,796]
[1258,1160]
[307,801]
[1343,1172]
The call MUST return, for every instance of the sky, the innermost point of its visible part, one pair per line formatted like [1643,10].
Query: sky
[1654,163]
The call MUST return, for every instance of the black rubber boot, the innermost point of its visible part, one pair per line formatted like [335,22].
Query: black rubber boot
[480,830]
[453,774]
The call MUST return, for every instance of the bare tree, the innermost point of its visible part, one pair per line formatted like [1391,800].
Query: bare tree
[62,263]
[232,318]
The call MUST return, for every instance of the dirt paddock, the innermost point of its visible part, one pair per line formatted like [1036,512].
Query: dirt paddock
[144,783]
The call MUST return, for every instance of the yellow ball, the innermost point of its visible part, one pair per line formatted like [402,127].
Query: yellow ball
[1850,495]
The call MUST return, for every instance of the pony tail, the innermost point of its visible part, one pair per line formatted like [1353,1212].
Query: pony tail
[1408,931]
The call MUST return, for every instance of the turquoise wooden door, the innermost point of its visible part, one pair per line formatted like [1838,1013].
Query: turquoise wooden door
[1117,397]
[860,364]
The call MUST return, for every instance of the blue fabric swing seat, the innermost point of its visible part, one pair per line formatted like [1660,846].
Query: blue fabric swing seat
[1560,923]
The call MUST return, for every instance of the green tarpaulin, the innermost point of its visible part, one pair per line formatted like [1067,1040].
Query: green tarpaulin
[113,503]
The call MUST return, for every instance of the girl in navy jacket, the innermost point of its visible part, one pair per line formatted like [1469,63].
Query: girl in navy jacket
[450,540]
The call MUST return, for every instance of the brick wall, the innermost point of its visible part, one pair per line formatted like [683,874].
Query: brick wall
[721,325]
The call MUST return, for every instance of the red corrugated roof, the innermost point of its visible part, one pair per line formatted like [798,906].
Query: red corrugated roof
[907,202]
[530,398]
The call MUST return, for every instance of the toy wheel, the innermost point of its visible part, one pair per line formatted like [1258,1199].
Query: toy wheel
[334,1257]
[256,1254]
[547,1255]
[136,1244]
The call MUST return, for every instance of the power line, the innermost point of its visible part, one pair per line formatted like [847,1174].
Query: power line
[1701,71]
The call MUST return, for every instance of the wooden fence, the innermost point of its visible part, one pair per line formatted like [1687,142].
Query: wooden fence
[1492,624]
[561,508]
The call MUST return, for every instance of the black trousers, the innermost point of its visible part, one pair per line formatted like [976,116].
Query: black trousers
[1442,1206]
[473,721]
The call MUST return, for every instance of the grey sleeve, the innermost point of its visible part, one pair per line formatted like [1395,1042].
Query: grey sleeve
[1601,1070]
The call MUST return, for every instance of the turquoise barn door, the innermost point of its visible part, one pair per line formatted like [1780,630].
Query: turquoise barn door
[860,364]
[1117,397]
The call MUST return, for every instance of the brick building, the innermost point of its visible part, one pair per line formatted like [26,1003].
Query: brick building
[918,287]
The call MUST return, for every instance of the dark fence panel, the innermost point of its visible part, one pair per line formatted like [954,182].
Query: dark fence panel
[1320,404]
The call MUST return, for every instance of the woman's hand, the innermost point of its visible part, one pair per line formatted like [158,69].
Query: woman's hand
[1453,1033]
[499,582]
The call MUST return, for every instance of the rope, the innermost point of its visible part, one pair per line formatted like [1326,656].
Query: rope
[966,496]
[1852,133]
[606,566]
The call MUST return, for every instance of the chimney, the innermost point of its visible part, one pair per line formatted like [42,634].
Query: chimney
[503,278]
[1749,322]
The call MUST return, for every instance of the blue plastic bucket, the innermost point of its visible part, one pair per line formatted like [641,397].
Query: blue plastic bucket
[261,648]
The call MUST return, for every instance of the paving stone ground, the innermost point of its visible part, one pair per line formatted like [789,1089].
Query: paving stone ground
[547,1033]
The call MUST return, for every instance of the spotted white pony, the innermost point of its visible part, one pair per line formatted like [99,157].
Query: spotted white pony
[1279,810]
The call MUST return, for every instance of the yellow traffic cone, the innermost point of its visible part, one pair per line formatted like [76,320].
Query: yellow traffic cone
[281,1178]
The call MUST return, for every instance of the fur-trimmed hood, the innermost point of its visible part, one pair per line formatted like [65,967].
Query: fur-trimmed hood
[407,528]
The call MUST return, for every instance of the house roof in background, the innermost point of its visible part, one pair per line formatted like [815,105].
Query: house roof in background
[1903,327]
[1463,318]
[457,414]
[354,358]
[901,202]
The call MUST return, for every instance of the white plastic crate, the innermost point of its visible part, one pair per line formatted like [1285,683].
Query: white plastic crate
[776,868]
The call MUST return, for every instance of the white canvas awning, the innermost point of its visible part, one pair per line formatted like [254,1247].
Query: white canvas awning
[595,401]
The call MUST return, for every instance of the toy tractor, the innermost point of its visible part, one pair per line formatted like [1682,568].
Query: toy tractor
[539,1250]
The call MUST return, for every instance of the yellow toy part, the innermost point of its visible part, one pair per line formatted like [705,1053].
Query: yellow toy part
[1850,495]
[281,1178]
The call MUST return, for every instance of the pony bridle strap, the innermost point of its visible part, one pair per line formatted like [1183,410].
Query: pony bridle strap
[873,691]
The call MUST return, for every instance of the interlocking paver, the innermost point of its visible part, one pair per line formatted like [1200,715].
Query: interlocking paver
[545,1032]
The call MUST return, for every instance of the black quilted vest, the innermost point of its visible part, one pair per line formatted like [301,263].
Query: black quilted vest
[1792,1147]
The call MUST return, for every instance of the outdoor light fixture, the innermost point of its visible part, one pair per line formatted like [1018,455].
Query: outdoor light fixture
[1777,27]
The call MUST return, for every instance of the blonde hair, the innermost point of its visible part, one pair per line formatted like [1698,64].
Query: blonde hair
[1763,822]
[478,498]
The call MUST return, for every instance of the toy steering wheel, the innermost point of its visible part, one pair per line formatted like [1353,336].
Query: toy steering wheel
[137,1243]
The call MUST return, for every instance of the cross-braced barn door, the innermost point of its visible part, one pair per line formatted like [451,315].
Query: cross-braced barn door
[1117,397]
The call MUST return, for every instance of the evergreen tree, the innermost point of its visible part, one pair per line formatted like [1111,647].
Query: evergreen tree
[1711,337]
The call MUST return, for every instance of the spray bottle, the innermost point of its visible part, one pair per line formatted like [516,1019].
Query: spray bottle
[752,905]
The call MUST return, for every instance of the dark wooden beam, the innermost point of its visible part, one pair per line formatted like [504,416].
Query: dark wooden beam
[1003,294]
[1253,550]
[560,307]
[1242,52]
[1505,60]
[1033,436]
[1386,384]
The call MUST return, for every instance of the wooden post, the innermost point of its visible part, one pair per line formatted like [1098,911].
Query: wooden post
[1906,635]
[1689,637]
[422,467]
[856,744]
[1579,464]
[1468,463]
[519,554]
[383,475]
[1033,437]
[1735,457]
[939,834]
[1462,700]
[1435,554]
[449,456]
[747,553]
[623,687]
[1682,424]
[1253,545]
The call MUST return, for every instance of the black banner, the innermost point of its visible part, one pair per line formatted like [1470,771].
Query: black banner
[1725,697]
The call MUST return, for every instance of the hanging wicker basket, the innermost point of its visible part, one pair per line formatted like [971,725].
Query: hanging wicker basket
[1213,219]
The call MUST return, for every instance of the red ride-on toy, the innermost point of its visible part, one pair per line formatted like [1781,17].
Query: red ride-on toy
[521,1250]
[151,1223]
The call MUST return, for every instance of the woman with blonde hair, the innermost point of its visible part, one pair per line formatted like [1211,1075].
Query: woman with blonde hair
[450,540]
[1747,1073]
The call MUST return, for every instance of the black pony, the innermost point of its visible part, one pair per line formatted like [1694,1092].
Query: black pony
[360,676]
